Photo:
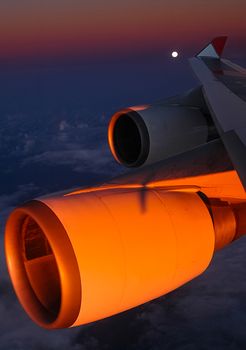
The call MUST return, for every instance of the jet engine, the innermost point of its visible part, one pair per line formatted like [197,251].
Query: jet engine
[146,134]
[77,258]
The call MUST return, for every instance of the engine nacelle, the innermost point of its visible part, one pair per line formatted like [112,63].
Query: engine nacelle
[77,258]
[146,134]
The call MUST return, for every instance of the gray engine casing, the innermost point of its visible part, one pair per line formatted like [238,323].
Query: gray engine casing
[146,134]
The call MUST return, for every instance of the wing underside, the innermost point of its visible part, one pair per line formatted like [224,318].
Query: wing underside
[224,88]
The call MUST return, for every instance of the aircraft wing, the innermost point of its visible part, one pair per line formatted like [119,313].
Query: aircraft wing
[224,88]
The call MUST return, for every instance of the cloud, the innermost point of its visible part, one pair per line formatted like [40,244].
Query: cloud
[23,193]
[82,160]
[63,125]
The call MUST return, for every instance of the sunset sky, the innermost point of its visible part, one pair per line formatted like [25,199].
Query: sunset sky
[35,28]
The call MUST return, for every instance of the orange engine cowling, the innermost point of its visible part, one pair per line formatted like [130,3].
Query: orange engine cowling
[74,259]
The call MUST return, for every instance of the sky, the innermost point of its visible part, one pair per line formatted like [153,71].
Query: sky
[35,28]
[65,68]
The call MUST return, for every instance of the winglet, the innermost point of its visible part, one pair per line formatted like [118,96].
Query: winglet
[214,49]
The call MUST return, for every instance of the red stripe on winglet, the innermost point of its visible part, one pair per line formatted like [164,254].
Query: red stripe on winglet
[219,44]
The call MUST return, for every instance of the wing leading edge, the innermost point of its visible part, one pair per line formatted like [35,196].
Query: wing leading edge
[224,88]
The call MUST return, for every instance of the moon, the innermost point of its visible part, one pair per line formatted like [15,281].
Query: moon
[175,54]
